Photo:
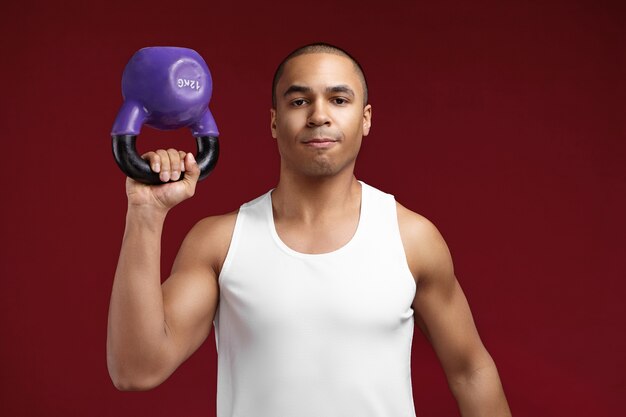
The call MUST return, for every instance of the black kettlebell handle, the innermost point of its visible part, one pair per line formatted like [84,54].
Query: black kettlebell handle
[129,161]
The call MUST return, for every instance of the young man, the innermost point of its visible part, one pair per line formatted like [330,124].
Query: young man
[313,287]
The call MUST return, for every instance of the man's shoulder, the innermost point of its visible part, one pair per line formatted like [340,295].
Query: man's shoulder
[424,245]
[216,224]
[223,224]
[209,239]
[415,227]
[220,227]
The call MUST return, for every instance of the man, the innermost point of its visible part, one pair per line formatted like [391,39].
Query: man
[313,287]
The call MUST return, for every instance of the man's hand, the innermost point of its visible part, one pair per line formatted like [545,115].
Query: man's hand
[169,164]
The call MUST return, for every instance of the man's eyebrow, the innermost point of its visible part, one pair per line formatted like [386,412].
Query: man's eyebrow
[297,89]
[334,89]
[341,89]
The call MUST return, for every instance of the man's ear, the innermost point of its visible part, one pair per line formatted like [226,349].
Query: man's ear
[367,119]
[273,122]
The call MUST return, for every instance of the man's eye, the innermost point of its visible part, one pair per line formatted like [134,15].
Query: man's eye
[298,102]
[340,100]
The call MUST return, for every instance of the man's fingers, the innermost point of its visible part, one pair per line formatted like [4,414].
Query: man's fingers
[192,168]
[170,163]
[174,163]
[182,160]
[165,165]
[153,159]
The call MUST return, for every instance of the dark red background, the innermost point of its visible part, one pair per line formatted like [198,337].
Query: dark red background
[501,121]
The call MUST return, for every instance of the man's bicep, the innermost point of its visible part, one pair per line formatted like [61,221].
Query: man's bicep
[191,293]
[446,316]
[190,299]
[441,308]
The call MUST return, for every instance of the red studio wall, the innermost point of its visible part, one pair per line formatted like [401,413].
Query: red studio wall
[500,121]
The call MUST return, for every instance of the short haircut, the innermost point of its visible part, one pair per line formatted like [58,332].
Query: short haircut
[313,48]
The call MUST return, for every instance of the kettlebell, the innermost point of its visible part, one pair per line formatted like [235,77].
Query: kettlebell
[165,88]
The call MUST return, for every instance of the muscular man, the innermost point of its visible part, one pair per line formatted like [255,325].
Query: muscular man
[313,287]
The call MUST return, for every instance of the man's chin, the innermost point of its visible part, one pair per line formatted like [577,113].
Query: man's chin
[324,169]
[320,167]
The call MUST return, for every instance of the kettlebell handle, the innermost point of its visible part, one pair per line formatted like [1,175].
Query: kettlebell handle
[129,161]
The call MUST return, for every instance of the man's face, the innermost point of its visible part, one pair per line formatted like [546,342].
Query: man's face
[319,119]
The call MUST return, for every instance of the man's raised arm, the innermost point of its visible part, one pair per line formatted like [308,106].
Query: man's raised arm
[153,328]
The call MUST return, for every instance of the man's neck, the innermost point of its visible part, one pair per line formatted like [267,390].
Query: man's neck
[309,199]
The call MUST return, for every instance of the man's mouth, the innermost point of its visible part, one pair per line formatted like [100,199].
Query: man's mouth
[320,142]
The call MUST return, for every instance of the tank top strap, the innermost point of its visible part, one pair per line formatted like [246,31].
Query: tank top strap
[381,223]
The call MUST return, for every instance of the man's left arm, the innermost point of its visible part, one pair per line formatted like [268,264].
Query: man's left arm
[444,316]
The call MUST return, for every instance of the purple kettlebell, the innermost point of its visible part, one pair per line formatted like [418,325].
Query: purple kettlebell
[166,88]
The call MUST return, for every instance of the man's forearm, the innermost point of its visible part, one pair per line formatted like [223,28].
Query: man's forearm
[136,334]
[480,393]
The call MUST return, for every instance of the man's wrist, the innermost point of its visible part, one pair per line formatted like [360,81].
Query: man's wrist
[146,214]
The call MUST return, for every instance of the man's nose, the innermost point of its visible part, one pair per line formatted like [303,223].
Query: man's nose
[318,115]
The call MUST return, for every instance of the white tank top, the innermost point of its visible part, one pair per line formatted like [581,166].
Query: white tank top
[315,335]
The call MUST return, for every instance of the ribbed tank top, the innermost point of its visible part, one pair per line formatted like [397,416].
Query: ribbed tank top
[315,335]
